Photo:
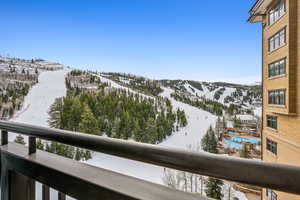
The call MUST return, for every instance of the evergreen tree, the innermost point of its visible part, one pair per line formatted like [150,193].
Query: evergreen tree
[218,128]
[116,112]
[209,142]
[137,132]
[150,132]
[39,144]
[89,123]
[55,113]
[78,154]
[224,124]
[125,128]
[236,122]
[20,140]
[87,155]
[76,111]
[214,188]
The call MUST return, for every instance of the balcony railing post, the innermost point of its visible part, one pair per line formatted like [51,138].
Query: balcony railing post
[4,180]
[31,182]
[46,193]
[4,137]
[4,171]
[31,145]
[61,196]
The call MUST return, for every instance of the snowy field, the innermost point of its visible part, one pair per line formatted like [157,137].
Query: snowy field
[52,85]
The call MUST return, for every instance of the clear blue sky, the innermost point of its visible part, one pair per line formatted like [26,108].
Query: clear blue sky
[186,39]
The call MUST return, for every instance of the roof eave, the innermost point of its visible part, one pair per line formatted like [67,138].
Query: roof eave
[255,18]
[256,6]
[258,10]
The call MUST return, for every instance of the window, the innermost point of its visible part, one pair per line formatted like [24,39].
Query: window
[277,97]
[271,195]
[272,146]
[277,40]
[272,121]
[276,12]
[277,68]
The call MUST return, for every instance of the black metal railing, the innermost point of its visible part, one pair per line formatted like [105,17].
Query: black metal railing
[82,181]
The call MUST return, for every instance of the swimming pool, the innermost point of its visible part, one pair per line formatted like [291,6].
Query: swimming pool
[236,141]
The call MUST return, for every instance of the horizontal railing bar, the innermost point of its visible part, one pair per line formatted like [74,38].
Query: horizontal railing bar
[84,182]
[270,175]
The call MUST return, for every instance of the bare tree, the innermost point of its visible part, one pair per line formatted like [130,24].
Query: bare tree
[228,191]
[184,181]
[193,183]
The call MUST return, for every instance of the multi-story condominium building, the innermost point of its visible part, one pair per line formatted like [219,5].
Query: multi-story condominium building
[281,84]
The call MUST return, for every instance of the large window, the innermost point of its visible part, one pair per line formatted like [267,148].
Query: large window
[272,121]
[277,11]
[277,40]
[271,195]
[277,68]
[272,146]
[277,97]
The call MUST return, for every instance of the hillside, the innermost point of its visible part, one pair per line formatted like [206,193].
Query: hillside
[215,97]
[225,93]
[17,76]
[139,83]
[95,107]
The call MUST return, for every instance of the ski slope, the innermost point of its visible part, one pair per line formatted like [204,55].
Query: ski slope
[52,85]
[36,104]
[198,123]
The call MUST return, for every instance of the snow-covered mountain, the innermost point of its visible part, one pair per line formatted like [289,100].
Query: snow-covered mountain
[225,93]
[214,97]
[51,85]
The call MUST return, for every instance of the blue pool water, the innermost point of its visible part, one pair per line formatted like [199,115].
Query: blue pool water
[236,141]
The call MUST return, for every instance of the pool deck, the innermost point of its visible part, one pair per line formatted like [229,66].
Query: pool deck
[236,141]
